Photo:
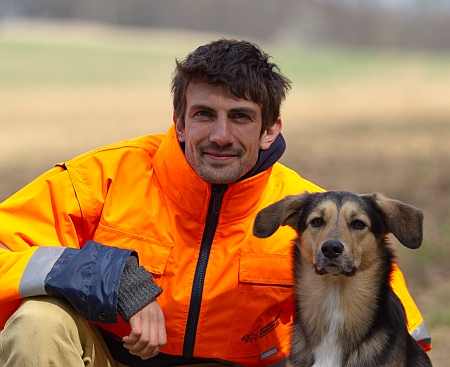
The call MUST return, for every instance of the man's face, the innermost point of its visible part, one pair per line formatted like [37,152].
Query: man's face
[222,133]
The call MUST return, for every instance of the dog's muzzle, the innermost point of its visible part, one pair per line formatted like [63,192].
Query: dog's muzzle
[331,259]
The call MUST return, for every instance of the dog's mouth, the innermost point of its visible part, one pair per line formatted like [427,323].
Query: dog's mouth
[335,269]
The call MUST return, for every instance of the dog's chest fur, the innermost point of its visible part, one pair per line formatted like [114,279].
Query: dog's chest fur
[329,352]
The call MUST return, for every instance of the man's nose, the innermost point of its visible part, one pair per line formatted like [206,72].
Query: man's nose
[221,131]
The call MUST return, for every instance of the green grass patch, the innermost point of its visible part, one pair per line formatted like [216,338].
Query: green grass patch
[312,65]
[29,59]
[30,63]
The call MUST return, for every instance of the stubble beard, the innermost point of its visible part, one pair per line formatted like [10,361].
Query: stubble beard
[219,172]
[219,175]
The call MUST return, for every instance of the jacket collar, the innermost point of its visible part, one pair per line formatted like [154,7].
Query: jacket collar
[190,193]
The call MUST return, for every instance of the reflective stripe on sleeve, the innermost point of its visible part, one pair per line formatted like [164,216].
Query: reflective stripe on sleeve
[421,332]
[422,336]
[40,264]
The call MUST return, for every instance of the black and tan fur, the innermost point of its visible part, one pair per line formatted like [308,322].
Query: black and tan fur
[347,314]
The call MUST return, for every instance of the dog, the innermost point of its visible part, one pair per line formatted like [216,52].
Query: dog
[347,314]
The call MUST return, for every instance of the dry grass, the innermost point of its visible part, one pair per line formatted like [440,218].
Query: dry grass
[385,130]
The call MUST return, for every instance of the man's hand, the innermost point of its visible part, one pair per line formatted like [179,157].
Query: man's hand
[148,332]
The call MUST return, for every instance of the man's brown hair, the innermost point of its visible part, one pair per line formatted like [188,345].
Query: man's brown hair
[241,67]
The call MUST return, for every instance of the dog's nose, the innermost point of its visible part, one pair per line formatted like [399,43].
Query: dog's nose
[332,248]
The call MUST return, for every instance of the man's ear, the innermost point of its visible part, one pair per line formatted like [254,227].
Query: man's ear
[269,135]
[404,221]
[179,127]
[283,212]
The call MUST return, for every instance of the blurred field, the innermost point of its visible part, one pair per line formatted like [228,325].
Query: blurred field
[360,120]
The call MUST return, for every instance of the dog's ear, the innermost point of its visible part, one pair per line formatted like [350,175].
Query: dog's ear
[283,212]
[404,221]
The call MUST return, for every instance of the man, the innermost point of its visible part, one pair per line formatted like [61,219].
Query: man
[183,205]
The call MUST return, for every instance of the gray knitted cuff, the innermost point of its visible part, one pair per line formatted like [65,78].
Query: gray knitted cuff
[136,289]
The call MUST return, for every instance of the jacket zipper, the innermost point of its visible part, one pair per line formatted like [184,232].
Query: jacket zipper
[212,219]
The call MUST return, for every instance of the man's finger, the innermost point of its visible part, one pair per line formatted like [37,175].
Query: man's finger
[153,334]
[143,342]
[162,334]
[136,330]
[132,338]
[149,352]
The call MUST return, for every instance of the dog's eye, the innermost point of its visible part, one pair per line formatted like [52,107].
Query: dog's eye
[358,224]
[317,222]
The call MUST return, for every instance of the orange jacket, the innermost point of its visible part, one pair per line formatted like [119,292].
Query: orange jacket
[143,195]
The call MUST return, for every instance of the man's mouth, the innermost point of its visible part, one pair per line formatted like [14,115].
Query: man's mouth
[220,156]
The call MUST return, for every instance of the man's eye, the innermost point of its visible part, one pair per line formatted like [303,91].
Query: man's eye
[203,114]
[240,116]
[358,224]
[317,222]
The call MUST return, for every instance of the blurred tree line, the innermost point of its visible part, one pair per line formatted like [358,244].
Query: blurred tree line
[419,24]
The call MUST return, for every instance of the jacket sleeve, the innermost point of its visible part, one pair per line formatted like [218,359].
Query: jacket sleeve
[41,231]
[416,323]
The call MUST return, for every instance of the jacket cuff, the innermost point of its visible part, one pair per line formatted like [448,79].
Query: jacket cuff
[136,289]
[88,278]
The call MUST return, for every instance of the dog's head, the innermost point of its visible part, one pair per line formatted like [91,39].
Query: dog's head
[339,231]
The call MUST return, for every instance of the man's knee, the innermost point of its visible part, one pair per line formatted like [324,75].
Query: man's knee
[46,331]
[41,320]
